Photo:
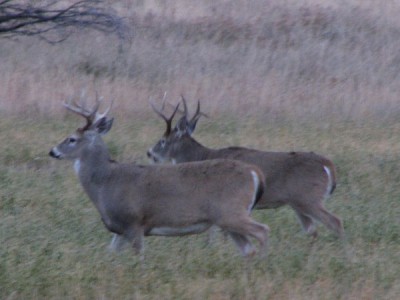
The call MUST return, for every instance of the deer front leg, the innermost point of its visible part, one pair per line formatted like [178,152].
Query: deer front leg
[117,242]
[135,235]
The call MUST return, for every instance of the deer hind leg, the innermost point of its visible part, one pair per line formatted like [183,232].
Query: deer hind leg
[329,220]
[308,224]
[243,243]
[318,212]
[260,232]
[248,227]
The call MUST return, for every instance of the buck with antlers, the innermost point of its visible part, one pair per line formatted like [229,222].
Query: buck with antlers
[136,200]
[299,179]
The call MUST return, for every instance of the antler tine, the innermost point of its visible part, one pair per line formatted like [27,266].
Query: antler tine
[98,116]
[163,101]
[173,114]
[185,110]
[173,106]
[198,113]
[82,103]
[93,112]
[92,115]
[158,112]
[168,121]
[76,108]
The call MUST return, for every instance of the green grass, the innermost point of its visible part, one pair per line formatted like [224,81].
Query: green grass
[54,245]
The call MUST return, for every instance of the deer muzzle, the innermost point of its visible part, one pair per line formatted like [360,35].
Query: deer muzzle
[151,156]
[55,153]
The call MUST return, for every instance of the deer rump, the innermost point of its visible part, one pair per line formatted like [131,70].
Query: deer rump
[288,175]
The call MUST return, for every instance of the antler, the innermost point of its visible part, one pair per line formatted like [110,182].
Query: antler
[196,116]
[168,121]
[91,116]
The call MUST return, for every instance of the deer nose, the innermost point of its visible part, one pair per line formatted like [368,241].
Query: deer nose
[151,156]
[54,154]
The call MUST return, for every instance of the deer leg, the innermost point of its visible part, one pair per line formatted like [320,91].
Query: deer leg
[248,227]
[329,220]
[117,243]
[243,243]
[135,235]
[260,232]
[318,212]
[307,224]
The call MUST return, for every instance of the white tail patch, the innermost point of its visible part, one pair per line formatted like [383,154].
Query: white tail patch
[256,182]
[330,182]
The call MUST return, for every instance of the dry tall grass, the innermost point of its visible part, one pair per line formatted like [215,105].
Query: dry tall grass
[291,60]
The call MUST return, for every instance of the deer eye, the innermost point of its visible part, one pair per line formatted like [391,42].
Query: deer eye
[72,140]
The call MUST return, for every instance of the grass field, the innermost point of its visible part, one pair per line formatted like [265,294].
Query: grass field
[294,75]
[54,244]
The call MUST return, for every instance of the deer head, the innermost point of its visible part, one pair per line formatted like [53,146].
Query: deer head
[96,124]
[177,141]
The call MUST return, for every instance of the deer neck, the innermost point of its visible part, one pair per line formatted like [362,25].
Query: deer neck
[95,176]
[194,151]
[93,166]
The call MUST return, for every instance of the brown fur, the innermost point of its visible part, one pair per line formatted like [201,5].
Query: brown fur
[137,200]
[297,179]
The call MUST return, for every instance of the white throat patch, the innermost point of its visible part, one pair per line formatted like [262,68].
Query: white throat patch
[77,166]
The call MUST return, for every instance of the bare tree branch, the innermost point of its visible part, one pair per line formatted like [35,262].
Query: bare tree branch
[54,21]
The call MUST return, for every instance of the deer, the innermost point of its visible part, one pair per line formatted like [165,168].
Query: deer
[136,200]
[301,180]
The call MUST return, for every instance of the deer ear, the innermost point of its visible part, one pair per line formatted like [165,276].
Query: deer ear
[103,125]
[192,125]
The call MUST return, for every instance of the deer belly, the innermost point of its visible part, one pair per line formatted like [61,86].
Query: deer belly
[177,231]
